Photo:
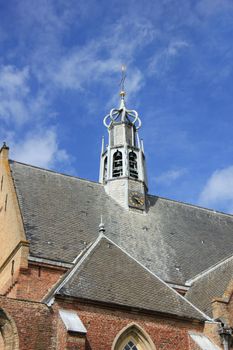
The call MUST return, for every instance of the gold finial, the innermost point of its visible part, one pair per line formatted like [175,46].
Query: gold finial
[122,83]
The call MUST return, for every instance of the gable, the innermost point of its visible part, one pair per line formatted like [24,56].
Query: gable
[109,275]
[211,286]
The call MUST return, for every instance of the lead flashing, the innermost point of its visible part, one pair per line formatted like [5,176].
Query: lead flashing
[72,322]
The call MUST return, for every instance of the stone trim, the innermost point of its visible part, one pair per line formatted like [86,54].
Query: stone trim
[14,251]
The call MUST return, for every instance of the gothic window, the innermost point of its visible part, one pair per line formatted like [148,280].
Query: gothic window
[117,169]
[132,337]
[105,168]
[133,167]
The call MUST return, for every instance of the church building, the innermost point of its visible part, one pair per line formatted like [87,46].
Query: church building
[106,265]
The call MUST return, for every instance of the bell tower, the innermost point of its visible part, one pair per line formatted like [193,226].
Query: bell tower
[122,163]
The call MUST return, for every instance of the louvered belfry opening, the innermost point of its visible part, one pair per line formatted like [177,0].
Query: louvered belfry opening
[117,164]
[133,167]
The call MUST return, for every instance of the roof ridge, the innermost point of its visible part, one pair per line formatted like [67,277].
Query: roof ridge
[213,211]
[54,172]
[207,271]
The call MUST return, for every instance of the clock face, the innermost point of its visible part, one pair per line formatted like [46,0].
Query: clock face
[136,199]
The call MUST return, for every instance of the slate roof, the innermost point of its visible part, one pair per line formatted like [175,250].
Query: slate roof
[107,274]
[61,214]
[212,285]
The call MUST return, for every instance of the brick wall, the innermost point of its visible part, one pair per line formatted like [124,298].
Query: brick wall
[41,328]
[103,326]
[35,282]
[35,323]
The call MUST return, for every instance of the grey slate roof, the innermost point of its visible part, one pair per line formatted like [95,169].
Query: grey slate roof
[109,275]
[174,240]
[212,285]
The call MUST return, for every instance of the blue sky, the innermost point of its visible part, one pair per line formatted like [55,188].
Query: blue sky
[59,76]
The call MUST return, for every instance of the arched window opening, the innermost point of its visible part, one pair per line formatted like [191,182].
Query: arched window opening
[132,337]
[133,166]
[105,168]
[117,164]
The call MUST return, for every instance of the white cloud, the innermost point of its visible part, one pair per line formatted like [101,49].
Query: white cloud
[175,47]
[218,191]
[163,58]
[20,106]
[99,60]
[40,149]
[168,177]
[13,93]
[17,103]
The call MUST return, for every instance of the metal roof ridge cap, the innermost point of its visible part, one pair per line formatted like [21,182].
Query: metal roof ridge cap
[50,299]
[175,285]
[154,275]
[54,172]
[50,261]
[189,282]
[213,211]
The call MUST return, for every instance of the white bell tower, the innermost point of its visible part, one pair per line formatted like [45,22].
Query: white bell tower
[122,164]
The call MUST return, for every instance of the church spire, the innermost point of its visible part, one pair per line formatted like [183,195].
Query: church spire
[122,165]
[122,84]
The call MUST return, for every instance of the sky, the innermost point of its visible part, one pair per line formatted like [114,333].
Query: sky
[60,63]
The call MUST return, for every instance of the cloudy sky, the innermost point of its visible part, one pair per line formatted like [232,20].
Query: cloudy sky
[59,76]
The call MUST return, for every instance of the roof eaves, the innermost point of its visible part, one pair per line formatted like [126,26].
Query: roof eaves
[46,261]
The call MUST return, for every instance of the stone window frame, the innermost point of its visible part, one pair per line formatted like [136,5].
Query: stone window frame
[8,331]
[136,334]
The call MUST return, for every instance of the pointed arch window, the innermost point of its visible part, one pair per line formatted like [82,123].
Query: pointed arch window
[133,166]
[133,337]
[117,169]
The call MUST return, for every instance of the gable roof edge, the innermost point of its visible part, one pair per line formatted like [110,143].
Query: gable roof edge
[154,275]
[49,299]
[190,282]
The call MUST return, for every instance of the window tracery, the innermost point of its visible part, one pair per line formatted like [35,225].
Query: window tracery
[130,346]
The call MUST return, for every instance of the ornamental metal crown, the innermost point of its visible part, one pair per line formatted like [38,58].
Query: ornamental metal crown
[122,115]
